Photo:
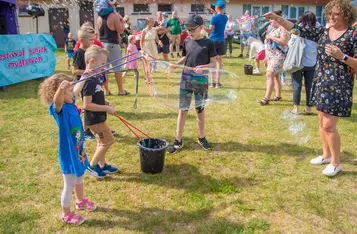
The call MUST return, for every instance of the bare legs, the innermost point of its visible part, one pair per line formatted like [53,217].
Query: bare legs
[330,138]
[181,120]
[273,81]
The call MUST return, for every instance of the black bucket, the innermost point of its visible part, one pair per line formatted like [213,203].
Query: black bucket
[152,154]
[248,69]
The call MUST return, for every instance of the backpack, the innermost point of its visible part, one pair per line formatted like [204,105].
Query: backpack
[293,60]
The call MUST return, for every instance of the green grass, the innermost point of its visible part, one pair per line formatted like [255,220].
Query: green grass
[257,179]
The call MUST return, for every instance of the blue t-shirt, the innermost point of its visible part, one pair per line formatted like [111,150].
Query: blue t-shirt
[70,45]
[219,22]
[72,156]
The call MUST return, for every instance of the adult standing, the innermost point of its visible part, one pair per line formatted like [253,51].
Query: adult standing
[175,31]
[229,30]
[334,75]
[276,46]
[162,29]
[128,30]
[246,30]
[216,28]
[110,26]
[308,61]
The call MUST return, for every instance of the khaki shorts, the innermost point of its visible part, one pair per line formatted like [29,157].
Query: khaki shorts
[103,134]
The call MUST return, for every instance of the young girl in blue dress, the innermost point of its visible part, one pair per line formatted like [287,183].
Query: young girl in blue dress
[59,93]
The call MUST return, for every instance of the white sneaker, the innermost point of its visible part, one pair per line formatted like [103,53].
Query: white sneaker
[331,170]
[320,160]
[256,72]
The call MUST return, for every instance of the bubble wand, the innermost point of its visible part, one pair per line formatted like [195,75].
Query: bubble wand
[106,70]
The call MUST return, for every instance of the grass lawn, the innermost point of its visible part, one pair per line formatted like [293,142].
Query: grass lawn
[257,178]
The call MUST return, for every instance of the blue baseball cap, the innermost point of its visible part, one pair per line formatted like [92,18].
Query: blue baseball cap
[220,4]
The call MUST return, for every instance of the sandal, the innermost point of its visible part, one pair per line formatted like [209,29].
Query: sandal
[264,101]
[307,112]
[124,94]
[294,112]
[275,99]
[85,205]
[73,219]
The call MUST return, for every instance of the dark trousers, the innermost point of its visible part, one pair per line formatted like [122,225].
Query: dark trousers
[229,41]
[308,74]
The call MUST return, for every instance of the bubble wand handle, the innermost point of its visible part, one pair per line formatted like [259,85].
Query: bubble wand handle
[131,127]
[106,70]
[118,59]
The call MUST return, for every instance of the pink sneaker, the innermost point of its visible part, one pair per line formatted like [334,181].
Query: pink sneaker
[73,219]
[85,205]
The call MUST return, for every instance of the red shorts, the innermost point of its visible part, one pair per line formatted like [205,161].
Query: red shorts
[260,55]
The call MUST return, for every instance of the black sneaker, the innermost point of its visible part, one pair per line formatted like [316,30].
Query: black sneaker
[240,56]
[88,135]
[204,143]
[175,147]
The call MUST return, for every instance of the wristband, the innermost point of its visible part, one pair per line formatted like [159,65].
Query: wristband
[345,58]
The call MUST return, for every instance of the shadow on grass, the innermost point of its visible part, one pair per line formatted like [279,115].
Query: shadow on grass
[279,149]
[189,178]
[28,89]
[151,115]
[151,220]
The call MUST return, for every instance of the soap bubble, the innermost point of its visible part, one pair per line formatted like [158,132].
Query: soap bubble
[296,126]
[176,86]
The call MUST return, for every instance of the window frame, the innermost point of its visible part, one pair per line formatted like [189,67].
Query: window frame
[170,4]
[261,6]
[141,12]
[194,11]
[306,8]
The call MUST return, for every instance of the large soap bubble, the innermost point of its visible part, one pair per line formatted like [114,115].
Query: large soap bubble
[177,86]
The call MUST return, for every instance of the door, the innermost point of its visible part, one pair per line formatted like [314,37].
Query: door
[86,13]
[120,10]
[57,17]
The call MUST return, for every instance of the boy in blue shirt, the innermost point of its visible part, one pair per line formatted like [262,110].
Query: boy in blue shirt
[69,49]
[216,28]
[198,54]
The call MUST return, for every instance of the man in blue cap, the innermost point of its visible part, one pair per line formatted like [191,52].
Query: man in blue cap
[216,28]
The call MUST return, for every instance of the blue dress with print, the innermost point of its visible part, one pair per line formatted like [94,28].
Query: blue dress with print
[332,87]
[71,153]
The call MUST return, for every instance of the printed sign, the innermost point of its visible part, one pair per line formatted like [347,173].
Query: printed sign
[26,57]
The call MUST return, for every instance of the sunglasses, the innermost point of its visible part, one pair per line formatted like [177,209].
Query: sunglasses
[192,29]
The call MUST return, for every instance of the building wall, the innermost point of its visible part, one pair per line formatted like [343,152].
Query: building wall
[183,9]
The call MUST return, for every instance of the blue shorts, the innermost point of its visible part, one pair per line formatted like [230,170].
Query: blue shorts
[70,55]
[193,84]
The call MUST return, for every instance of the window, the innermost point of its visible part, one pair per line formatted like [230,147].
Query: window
[259,10]
[198,8]
[141,8]
[141,24]
[320,15]
[247,7]
[22,10]
[164,7]
[293,12]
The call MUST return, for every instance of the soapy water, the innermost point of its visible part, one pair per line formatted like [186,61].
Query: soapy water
[296,126]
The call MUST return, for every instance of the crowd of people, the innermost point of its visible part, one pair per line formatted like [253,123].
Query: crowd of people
[328,64]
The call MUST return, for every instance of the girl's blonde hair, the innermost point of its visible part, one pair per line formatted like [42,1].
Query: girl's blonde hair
[130,37]
[126,19]
[49,87]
